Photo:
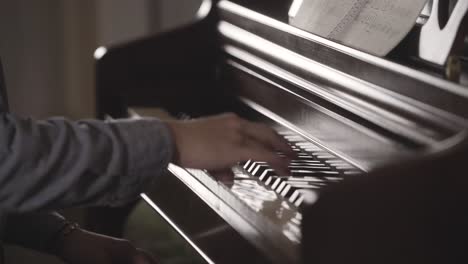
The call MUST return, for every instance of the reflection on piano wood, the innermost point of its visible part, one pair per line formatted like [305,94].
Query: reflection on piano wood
[345,113]
[267,202]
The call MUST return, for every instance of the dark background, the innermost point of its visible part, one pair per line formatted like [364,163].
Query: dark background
[47,52]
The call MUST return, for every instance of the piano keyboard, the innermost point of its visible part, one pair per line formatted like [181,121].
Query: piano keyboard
[269,203]
[313,169]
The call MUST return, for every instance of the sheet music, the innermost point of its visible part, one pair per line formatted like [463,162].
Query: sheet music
[374,26]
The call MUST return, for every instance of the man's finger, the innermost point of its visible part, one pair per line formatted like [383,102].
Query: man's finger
[267,136]
[226,175]
[255,151]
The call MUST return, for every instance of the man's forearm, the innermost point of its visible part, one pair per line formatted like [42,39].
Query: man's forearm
[56,163]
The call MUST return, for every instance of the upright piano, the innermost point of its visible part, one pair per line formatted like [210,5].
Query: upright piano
[348,114]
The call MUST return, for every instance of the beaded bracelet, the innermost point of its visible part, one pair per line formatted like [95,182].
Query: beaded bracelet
[69,228]
[56,240]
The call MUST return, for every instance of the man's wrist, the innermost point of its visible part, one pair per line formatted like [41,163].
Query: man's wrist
[173,136]
[59,241]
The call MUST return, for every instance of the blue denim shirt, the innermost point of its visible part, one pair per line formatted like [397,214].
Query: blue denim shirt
[56,163]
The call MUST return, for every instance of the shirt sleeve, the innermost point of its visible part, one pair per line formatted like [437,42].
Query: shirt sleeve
[56,163]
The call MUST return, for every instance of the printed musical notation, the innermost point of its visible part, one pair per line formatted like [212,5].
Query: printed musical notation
[374,26]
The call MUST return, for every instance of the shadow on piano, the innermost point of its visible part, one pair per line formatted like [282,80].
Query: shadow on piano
[347,114]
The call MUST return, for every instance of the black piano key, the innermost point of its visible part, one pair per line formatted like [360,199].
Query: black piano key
[247,164]
[289,186]
[281,187]
[271,180]
[289,190]
[277,182]
[312,169]
[296,189]
[260,169]
[286,191]
[268,180]
[294,195]
[254,165]
[306,180]
[267,174]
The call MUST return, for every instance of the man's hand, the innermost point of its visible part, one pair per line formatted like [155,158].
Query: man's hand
[82,247]
[216,143]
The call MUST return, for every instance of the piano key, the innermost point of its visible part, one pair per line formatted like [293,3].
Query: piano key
[260,169]
[294,193]
[286,182]
[311,162]
[267,174]
[286,132]
[344,167]
[307,179]
[299,200]
[304,196]
[310,149]
[247,164]
[304,155]
[301,173]
[254,165]
[287,187]
[294,138]
[274,181]
[277,182]
[281,187]
[354,172]
[305,143]
[294,196]
[270,180]
[325,156]
[286,191]
[333,179]
[290,192]
[309,167]
[304,159]
[306,184]
[335,161]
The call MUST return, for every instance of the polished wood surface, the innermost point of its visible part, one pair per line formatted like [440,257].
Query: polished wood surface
[411,213]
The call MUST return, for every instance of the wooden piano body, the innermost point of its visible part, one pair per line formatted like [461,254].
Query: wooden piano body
[357,111]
